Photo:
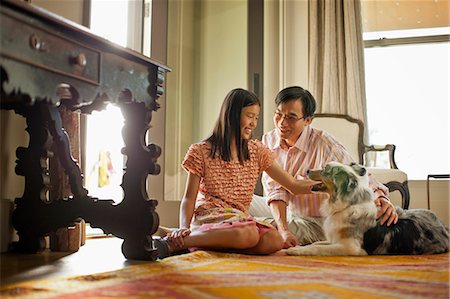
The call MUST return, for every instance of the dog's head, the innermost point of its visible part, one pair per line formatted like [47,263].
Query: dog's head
[339,180]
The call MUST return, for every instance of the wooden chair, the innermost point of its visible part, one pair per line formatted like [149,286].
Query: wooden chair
[350,132]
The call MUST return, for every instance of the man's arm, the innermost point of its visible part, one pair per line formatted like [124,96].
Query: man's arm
[278,208]
[384,205]
[385,208]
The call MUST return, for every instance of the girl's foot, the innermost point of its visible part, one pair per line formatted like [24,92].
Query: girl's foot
[162,246]
[166,248]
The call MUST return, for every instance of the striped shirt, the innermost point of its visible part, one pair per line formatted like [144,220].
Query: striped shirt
[313,150]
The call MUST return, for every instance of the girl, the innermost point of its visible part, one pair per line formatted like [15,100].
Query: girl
[222,175]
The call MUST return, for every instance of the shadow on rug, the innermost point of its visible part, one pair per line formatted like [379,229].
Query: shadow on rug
[204,274]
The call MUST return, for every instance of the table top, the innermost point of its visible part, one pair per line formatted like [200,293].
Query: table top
[44,57]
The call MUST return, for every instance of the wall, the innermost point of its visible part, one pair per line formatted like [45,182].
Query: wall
[221,58]
[285,51]
[72,10]
[439,197]
[12,135]
[211,56]
[181,45]
[396,15]
[207,50]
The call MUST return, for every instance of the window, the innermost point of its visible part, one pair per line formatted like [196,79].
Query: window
[407,75]
[104,161]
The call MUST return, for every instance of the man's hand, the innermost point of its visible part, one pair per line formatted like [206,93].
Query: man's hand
[288,239]
[387,210]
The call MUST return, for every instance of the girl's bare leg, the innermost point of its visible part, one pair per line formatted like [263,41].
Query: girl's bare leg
[240,237]
[243,239]
[269,243]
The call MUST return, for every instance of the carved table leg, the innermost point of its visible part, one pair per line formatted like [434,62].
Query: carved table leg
[32,164]
[35,215]
[62,143]
[134,219]
[143,220]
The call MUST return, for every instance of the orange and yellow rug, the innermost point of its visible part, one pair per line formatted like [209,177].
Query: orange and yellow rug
[204,274]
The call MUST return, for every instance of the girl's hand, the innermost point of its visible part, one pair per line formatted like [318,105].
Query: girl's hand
[177,237]
[294,186]
[304,186]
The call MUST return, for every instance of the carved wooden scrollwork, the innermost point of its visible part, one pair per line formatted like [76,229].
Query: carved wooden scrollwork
[81,72]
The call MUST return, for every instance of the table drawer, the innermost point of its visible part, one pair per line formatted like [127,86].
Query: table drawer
[33,45]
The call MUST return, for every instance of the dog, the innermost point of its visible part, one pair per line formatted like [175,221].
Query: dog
[350,223]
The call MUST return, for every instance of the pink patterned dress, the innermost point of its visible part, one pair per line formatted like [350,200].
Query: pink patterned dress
[226,187]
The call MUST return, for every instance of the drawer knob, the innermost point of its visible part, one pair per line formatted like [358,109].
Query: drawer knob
[80,60]
[36,43]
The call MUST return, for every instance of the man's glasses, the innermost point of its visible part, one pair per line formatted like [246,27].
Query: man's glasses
[289,118]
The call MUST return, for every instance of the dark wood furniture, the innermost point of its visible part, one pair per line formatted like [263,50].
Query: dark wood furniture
[46,62]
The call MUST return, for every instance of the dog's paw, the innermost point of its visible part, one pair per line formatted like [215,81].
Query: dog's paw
[297,250]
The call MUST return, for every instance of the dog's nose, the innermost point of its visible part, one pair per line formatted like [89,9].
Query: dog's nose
[307,172]
[362,171]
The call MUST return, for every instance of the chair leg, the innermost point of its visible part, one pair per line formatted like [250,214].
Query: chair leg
[403,189]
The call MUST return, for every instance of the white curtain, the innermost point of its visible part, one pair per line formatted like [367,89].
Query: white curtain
[336,58]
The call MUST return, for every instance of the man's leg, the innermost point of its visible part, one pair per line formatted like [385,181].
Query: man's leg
[307,230]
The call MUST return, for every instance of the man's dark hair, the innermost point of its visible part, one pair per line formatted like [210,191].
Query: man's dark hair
[297,93]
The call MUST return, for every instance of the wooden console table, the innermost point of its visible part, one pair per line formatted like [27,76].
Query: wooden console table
[47,61]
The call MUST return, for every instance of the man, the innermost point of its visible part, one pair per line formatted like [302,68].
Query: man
[298,148]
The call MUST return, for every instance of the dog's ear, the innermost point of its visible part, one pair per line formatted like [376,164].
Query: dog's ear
[344,181]
[331,171]
[340,179]
[352,183]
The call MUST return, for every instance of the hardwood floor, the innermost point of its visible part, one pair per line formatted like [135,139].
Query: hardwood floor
[97,255]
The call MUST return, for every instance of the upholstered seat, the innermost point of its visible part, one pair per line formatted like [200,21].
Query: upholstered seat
[350,132]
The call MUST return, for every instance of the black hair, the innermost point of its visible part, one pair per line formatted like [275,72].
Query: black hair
[298,93]
[228,125]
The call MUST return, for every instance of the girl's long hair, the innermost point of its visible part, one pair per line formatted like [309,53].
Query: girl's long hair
[228,125]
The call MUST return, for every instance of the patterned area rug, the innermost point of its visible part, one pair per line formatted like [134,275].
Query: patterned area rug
[204,274]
